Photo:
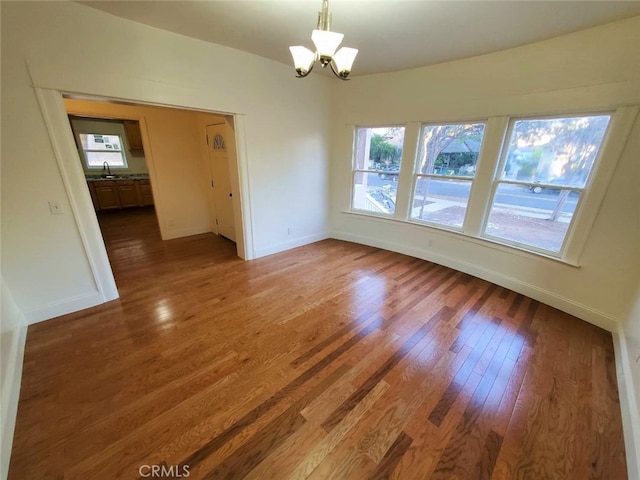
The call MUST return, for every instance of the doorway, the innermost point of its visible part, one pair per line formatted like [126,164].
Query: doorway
[113,160]
[55,111]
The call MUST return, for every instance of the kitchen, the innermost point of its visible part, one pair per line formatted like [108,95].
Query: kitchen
[112,157]
[157,158]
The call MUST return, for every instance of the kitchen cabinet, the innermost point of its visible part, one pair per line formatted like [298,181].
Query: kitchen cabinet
[146,197]
[128,193]
[134,137]
[107,195]
[120,193]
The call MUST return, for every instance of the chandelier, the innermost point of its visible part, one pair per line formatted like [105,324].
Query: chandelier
[326,43]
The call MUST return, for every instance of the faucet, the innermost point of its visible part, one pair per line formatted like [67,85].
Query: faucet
[105,168]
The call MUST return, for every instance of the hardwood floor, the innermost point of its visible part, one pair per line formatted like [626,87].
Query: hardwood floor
[330,361]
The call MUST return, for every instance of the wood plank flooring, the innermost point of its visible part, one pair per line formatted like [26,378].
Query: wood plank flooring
[330,361]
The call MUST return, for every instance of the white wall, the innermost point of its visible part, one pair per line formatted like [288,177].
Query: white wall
[631,329]
[625,192]
[180,171]
[12,340]
[587,70]
[628,360]
[45,44]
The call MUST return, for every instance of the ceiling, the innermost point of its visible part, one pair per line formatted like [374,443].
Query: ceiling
[391,35]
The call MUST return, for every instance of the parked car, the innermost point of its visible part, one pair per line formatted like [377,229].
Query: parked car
[560,181]
[388,171]
[535,188]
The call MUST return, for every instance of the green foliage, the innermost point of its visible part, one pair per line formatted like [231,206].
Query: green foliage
[438,137]
[456,160]
[382,151]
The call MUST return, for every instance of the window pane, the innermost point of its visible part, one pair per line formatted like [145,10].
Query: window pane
[558,151]
[379,149]
[540,220]
[451,149]
[441,201]
[92,141]
[374,194]
[97,159]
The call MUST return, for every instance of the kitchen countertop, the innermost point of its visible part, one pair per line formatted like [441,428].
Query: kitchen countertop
[97,178]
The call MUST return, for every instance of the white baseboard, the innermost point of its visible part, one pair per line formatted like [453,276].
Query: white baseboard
[629,406]
[170,234]
[296,242]
[62,307]
[547,297]
[11,395]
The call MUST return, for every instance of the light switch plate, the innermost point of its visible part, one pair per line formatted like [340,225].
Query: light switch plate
[56,207]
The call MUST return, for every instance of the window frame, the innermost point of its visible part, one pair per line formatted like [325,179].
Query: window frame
[355,170]
[125,163]
[416,175]
[621,124]
[584,191]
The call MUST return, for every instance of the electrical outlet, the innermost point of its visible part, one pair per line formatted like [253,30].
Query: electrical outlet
[430,243]
[289,231]
[55,207]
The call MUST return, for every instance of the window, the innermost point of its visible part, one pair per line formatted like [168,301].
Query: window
[99,149]
[377,162]
[444,173]
[545,169]
[523,192]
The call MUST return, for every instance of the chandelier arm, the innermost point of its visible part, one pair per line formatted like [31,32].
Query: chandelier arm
[335,72]
[298,75]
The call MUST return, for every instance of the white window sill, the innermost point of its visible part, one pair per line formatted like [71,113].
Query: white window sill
[483,241]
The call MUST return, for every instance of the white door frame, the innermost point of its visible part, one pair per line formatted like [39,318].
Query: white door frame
[64,148]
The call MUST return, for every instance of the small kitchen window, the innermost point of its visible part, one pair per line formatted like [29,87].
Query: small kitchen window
[99,149]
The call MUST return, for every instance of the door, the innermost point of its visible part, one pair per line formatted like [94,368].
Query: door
[217,142]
